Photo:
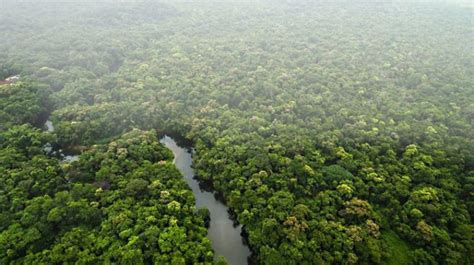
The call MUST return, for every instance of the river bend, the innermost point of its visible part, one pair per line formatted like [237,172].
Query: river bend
[226,238]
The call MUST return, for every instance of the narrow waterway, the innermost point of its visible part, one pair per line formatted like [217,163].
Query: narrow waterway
[65,157]
[225,237]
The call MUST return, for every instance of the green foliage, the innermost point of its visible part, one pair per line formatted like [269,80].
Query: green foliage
[338,132]
[399,251]
[22,102]
[107,207]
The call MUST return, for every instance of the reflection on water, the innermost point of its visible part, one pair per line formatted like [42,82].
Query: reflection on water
[70,158]
[49,126]
[49,149]
[226,239]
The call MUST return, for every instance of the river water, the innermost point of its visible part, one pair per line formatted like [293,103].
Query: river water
[65,157]
[226,238]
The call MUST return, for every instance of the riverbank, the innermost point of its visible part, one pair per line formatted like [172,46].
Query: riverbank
[225,236]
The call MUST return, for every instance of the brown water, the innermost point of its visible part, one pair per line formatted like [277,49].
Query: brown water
[226,238]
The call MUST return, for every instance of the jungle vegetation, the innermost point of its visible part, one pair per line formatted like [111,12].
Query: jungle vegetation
[338,132]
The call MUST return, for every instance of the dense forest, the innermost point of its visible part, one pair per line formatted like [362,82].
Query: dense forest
[338,132]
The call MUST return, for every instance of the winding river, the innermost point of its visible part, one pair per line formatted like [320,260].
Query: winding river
[226,238]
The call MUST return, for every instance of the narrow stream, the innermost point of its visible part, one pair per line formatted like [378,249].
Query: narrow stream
[226,239]
[65,157]
[49,126]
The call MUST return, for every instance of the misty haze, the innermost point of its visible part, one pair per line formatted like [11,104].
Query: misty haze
[237,132]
